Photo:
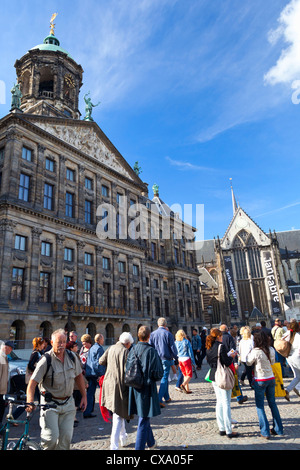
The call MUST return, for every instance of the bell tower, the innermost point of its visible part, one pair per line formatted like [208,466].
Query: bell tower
[50,79]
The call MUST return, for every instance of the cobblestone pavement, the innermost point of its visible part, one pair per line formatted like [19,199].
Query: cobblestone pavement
[188,422]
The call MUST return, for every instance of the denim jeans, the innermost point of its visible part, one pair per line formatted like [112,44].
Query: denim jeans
[223,410]
[180,378]
[144,434]
[261,388]
[90,395]
[164,383]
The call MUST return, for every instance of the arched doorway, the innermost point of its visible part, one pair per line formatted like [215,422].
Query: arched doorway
[17,334]
[46,329]
[110,334]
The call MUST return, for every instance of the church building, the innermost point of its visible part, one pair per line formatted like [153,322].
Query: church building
[249,275]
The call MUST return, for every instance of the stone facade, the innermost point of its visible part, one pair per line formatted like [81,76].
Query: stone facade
[58,174]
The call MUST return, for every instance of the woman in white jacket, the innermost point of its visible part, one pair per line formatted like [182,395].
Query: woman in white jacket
[245,346]
[262,357]
[293,359]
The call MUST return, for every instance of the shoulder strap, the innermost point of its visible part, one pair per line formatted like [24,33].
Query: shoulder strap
[48,360]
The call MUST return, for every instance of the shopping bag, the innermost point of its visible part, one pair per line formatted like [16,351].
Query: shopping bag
[207,377]
[236,391]
[279,388]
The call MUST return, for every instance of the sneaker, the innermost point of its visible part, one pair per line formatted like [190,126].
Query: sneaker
[124,441]
[178,389]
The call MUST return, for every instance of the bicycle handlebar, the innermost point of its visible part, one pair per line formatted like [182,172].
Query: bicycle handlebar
[13,400]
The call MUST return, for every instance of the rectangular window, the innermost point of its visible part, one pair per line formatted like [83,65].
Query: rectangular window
[88,259]
[1,154]
[167,312]
[69,204]
[88,212]
[26,154]
[17,289]
[70,174]
[88,183]
[20,243]
[105,220]
[105,263]
[24,187]
[162,254]
[105,191]
[87,296]
[123,297]
[44,293]
[48,196]
[106,294]
[135,269]
[46,249]
[69,254]
[157,306]
[181,308]
[49,164]
[165,285]
[68,281]
[122,267]
[137,299]
[153,250]
[176,255]
[155,283]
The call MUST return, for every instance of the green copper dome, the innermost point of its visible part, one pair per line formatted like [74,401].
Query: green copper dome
[51,43]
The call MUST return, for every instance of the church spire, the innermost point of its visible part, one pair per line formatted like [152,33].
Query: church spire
[235,205]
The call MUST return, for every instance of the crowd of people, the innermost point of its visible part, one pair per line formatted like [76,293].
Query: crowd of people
[66,371]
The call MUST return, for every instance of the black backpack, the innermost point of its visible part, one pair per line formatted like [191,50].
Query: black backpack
[134,376]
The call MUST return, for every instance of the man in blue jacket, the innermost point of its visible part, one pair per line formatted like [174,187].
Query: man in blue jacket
[93,372]
[196,346]
[163,341]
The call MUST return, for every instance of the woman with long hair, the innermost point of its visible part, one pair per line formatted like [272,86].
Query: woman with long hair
[223,409]
[262,357]
[185,358]
[293,359]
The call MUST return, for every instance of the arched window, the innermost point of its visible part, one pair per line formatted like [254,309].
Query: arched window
[46,87]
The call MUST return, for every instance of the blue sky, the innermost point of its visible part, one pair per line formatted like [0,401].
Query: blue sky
[196,91]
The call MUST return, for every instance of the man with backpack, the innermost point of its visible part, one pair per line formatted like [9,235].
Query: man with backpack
[55,374]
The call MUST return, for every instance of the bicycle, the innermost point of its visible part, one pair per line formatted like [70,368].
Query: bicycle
[24,442]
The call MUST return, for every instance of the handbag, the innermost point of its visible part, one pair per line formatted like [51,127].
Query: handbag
[224,377]
[134,376]
[283,347]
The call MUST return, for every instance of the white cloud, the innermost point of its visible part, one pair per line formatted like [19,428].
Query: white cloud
[287,67]
[188,165]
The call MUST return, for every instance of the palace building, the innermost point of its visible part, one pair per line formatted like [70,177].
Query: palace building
[64,186]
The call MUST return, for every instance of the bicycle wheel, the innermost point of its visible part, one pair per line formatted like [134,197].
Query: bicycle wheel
[31,445]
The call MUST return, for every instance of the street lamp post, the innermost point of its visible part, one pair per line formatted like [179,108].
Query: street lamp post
[70,297]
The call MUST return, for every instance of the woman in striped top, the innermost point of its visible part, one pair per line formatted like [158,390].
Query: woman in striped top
[262,357]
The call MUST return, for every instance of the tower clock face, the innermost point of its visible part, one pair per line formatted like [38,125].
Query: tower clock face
[69,80]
